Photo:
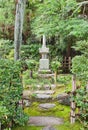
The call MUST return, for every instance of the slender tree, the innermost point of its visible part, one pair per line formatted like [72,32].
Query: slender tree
[20,8]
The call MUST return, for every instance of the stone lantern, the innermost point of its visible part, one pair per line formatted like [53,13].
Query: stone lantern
[44,61]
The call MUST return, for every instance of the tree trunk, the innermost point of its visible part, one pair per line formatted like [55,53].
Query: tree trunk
[20,7]
[31,74]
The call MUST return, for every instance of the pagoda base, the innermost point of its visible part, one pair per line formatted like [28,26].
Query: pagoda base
[44,71]
[44,64]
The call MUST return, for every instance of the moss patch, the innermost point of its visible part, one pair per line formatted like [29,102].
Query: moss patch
[27,128]
[58,111]
[65,126]
[68,126]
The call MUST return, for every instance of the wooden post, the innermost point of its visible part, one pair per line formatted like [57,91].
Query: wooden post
[87,86]
[0,125]
[69,63]
[73,105]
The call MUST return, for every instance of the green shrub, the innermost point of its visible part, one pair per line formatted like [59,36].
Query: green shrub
[30,51]
[32,66]
[80,69]
[55,65]
[11,92]
[6,48]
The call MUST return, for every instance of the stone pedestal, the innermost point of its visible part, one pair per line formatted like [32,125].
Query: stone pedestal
[44,64]
[44,61]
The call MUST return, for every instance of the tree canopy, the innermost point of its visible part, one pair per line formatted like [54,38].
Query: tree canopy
[60,17]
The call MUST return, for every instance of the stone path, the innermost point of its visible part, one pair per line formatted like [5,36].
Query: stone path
[44,121]
[40,94]
[44,94]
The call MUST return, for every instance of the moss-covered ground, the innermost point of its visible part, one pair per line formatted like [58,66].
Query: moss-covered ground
[59,111]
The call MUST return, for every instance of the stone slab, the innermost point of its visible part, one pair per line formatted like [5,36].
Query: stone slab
[38,86]
[66,101]
[43,96]
[49,128]
[44,92]
[26,93]
[62,96]
[26,103]
[46,75]
[47,87]
[44,121]
[47,105]
[53,86]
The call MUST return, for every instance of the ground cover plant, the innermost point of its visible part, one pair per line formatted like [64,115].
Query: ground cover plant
[10,93]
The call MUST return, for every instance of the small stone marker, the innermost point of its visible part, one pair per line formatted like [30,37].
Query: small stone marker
[26,93]
[87,87]
[47,106]
[49,128]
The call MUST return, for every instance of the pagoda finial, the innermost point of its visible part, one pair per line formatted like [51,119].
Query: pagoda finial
[44,41]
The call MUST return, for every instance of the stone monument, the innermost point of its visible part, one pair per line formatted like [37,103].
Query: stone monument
[44,61]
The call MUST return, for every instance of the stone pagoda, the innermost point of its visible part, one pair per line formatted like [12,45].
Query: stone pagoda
[44,61]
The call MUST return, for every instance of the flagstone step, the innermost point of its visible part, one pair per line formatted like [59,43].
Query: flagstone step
[27,93]
[38,95]
[44,92]
[43,96]
[44,121]
[49,128]
[43,87]
[46,75]
[46,106]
